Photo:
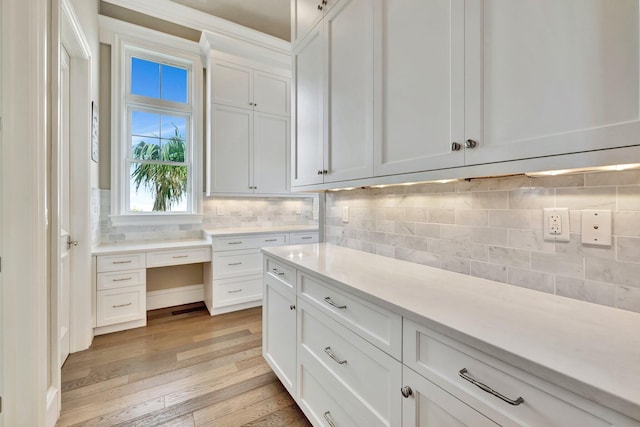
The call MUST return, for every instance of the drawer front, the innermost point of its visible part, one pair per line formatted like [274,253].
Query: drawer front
[326,402]
[237,263]
[370,374]
[248,242]
[380,327]
[178,257]
[231,292]
[441,360]
[120,305]
[121,279]
[280,271]
[302,238]
[120,262]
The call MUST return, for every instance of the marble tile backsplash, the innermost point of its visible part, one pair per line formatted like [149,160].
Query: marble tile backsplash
[492,228]
[234,212]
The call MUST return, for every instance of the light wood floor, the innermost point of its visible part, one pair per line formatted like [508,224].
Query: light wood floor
[185,368]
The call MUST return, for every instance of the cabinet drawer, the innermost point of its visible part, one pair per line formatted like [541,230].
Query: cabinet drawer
[120,262]
[236,263]
[281,272]
[442,360]
[326,402]
[120,305]
[231,292]
[370,374]
[248,242]
[178,257]
[302,238]
[380,327]
[121,279]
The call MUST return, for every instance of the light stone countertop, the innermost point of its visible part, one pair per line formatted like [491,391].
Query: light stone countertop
[589,349]
[219,232]
[125,247]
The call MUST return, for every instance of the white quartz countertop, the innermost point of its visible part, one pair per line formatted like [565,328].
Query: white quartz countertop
[589,349]
[258,230]
[125,247]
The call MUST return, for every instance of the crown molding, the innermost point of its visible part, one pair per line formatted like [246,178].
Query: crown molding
[197,20]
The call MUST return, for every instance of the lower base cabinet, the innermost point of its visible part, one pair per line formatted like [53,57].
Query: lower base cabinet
[333,360]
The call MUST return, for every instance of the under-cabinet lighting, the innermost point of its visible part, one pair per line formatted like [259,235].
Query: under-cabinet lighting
[584,170]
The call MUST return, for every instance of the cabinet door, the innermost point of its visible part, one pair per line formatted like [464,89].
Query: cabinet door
[271,142]
[232,84]
[279,331]
[431,406]
[422,65]
[305,14]
[232,134]
[307,144]
[549,77]
[348,115]
[271,93]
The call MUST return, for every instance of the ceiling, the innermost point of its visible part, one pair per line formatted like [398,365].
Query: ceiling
[268,16]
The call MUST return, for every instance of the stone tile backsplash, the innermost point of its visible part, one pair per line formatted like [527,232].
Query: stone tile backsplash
[236,212]
[492,228]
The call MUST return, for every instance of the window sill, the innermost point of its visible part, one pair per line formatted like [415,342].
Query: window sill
[156,219]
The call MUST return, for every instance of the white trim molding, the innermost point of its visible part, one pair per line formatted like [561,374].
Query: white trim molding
[197,20]
[25,110]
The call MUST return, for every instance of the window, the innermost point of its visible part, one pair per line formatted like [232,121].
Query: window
[159,116]
[156,147]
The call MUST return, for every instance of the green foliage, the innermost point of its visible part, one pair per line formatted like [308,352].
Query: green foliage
[167,183]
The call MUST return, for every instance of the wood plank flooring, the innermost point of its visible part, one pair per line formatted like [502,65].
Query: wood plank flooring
[185,368]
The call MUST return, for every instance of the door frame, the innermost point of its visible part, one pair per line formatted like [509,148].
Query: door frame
[66,26]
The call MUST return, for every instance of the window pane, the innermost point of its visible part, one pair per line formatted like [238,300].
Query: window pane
[160,188]
[174,83]
[145,78]
[173,126]
[145,148]
[145,124]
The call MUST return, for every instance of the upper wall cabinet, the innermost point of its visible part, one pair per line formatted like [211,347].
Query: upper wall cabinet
[245,87]
[333,97]
[305,14]
[422,51]
[549,77]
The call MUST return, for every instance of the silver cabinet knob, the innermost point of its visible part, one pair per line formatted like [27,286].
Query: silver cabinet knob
[455,146]
[292,307]
[319,172]
[470,143]
[319,7]
[406,391]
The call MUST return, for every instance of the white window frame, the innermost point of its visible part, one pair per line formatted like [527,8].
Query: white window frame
[127,40]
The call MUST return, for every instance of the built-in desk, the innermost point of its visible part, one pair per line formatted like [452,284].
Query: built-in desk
[120,273]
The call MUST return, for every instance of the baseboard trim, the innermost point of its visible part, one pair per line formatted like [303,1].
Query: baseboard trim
[174,296]
[101,330]
[53,408]
[235,307]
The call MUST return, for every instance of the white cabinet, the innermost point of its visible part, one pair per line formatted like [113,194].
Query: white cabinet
[240,86]
[422,89]
[333,97]
[305,14]
[279,322]
[248,129]
[550,77]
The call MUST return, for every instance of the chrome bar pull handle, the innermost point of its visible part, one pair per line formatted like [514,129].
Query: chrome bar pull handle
[332,355]
[122,262]
[234,243]
[330,302]
[279,273]
[271,240]
[124,279]
[327,416]
[486,388]
[180,256]
[235,291]
[234,263]
[121,305]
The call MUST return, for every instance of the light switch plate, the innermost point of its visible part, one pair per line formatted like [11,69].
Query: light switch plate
[596,227]
[556,224]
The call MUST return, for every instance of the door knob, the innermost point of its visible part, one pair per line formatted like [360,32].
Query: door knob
[71,242]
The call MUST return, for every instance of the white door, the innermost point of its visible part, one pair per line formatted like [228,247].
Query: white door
[271,93]
[427,405]
[348,114]
[307,129]
[271,142]
[548,77]
[422,86]
[232,134]
[64,275]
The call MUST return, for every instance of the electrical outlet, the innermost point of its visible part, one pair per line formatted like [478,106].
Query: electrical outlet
[345,214]
[219,210]
[556,224]
[596,228]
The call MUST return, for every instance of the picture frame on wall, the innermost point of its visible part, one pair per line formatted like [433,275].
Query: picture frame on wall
[94,131]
